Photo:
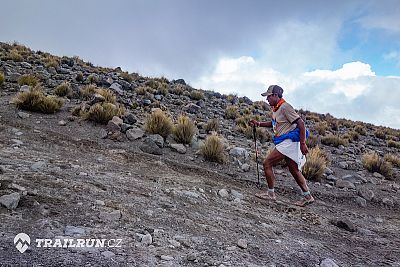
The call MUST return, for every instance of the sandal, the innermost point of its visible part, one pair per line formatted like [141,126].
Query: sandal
[304,201]
[265,196]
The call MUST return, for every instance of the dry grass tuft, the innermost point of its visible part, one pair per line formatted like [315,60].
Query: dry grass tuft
[28,80]
[35,100]
[64,89]
[102,113]
[184,130]
[158,123]
[374,163]
[315,165]
[213,149]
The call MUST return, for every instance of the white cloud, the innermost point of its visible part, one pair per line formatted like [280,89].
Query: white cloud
[352,91]
[352,70]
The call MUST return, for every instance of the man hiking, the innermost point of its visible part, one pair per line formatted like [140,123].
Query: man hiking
[290,144]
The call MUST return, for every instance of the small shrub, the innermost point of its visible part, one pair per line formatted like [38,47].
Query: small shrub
[141,90]
[374,163]
[213,149]
[108,95]
[126,76]
[184,130]
[196,95]
[16,56]
[313,117]
[28,80]
[87,91]
[103,112]
[79,77]
[152,83]
[352,136]
[63,89]
[321,127]
[380,134]
[92,78]
[231,112]
[52,62]
[334,124]
[2,78]
[392,143]
[312,141]
[394,159]
[158,123]
[179,89]
[360,129]
[334,140]
[212,125]
[162,89]
[35,100]
[315,165]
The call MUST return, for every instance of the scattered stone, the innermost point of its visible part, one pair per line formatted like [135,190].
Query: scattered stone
[17,142]
[343,165]
[192,108]
[2,170]
[345,224]
[129,118]
[239,152]
[117,88]
[146,102]
[38,166]
[166,258]
[103,134]
[117,120]
[388,201]
[23,115]
[344,184]
[331,177]
[62,123]
[378,175]
[100,202]
[97,98]
[328,171]
[245,167]
[134,134]
[174,243]
[366,193]
[361,202]
[180,148]
[157,139]
[125,127]
[328,263]
[16,187]
[149,146]
[236,195]
[110,216]
[72,230]
[242,243]
[113,127]
[24,88]
[191,257]
[223,193]
[10,201]
[146,239]
[107,254]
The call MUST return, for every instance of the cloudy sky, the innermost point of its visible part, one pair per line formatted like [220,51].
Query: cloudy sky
[341,57]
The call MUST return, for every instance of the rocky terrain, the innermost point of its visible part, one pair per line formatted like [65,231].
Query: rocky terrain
[63,176]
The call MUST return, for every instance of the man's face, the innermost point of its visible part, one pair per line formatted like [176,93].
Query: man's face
[272,99]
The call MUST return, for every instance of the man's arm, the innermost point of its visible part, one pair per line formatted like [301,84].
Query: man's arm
[302,128]
[265,124]
[260,123]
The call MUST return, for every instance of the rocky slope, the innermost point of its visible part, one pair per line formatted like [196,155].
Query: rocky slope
[65,177]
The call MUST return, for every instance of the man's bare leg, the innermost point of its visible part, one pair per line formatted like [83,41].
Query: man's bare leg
[301,181]
[272,159]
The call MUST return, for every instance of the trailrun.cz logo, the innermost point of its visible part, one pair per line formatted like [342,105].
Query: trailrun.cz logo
[22,242]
